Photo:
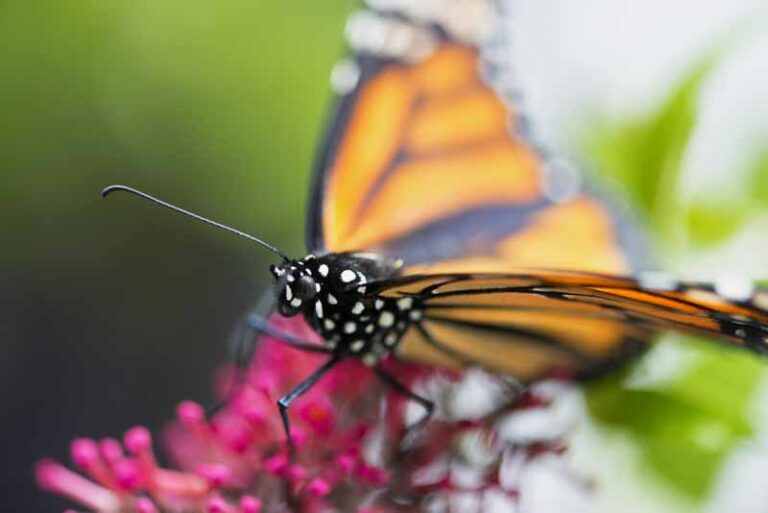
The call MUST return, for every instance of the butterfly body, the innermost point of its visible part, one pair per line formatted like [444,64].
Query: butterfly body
[331,293]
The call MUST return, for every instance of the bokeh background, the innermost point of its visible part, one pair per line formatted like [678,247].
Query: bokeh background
[113,311]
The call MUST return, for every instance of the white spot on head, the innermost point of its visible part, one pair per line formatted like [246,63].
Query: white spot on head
[329,324]
[288,293]
[386,319]
[358,308]
[317,287]
[347,276]
[309,257]
[323,270]
[332,300]
[356,346]
[350,327]
[319,309]
[379,304]
[415,315]
[369,328]
[405,303]
[296,302]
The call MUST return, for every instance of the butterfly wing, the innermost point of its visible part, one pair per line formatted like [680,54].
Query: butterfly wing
[532,324]
[424,162]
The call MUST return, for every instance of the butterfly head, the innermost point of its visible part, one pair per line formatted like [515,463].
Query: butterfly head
[295,286]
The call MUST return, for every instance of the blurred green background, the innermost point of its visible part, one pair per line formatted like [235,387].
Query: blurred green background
[113,311]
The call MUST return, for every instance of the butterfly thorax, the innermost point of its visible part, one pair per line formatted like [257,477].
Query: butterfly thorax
[333,292]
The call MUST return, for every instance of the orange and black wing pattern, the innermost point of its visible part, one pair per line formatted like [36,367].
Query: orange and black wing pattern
[425,162]
[533,324]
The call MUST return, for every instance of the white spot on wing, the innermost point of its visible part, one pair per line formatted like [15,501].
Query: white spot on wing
[288,293]
[350,327]
[323,270]
[329,324]
[734,288]
[344,76]
[296,302]
[657,280]
[319,309]
[358,308]
[347,276]
[356,346]
[332,300]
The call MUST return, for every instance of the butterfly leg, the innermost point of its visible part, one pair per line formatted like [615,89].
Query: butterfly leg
[285,402]
[401,389]
[255,325]
[259,325]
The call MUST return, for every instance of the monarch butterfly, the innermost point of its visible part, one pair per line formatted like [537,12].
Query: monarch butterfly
[436,232]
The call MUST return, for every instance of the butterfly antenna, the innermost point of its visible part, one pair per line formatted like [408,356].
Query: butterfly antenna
[124,188]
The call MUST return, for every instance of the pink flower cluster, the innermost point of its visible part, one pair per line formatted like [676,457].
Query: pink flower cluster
[354,453]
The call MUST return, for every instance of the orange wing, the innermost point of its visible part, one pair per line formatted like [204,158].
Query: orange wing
[528,325]
[424,163]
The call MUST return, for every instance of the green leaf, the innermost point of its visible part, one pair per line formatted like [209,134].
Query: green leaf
[684,427]
[715,221]
[759,178]
[712,220]
[644,155]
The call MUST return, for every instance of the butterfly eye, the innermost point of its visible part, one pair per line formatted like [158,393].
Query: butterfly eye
[305,288]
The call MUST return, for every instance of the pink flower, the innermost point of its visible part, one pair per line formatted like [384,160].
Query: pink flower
[354,449]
